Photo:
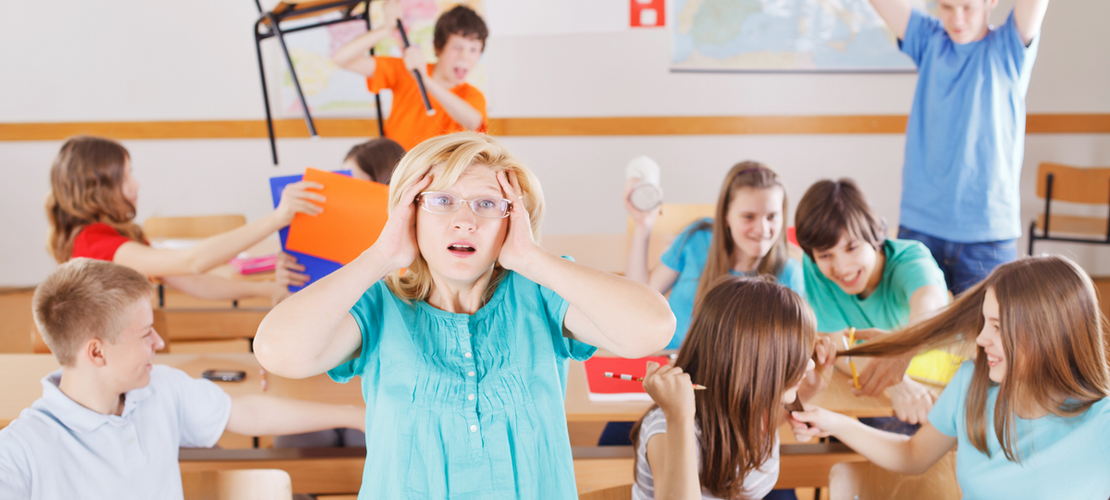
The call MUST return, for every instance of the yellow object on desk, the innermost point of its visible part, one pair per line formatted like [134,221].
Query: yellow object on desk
[848,343]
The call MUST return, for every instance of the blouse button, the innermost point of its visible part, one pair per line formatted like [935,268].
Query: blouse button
[470,397]
[467,355]
[470,374]
[474,428]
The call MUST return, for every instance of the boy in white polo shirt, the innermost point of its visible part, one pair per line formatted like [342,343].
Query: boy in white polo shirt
[109,423]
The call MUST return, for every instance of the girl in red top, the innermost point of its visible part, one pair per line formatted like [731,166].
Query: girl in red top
[91,209]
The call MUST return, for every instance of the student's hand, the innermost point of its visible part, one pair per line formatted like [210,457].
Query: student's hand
[643,219]
[822,422]
[391,12]
[520,243]
[911,401]
[880,373]
[297,199]
[396,245]
[414,60]
[814,381]
[287,272]
[671,389]
[278,293]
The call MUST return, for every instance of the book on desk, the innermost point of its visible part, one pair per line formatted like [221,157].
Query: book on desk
[604,389]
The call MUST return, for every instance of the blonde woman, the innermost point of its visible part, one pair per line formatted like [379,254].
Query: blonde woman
[1029,416]
[464,355]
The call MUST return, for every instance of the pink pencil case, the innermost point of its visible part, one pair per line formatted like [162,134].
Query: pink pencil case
[254,265]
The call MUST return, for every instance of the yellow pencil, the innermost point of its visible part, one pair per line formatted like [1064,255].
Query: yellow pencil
[848,343]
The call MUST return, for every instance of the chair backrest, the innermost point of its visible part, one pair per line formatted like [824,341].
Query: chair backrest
[244,484]
[1073,184]
[623,492]
[676,216]
[865,480]
[191,227]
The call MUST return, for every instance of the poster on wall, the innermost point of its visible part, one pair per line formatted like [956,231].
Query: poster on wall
[332,91]
[784,35]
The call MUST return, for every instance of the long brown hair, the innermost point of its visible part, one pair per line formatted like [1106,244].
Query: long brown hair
[1053,334]
[86,182]
[749,344]
[751,174]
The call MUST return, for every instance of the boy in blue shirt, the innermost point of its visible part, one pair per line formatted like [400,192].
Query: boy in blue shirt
[966,133]
[110,423]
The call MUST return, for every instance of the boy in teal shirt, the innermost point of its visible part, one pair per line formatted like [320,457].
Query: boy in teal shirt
[857,278]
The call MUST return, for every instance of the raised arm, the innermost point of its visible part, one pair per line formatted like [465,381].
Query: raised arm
[673,456]
[461,111]
[258,415]
[313,331]
[213,251]
[608,311]
[1028,16]
[662,278]
[355,55]
[893,452]
[896,14]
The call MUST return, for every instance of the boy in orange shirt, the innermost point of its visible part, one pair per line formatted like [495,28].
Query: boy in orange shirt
[460,38]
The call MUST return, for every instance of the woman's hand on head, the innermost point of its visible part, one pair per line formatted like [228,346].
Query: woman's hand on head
[520,243]
[297,198]
[643,219]
[671,389]
[396,245]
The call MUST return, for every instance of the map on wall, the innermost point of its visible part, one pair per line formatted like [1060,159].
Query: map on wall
[783,35]
[332,91]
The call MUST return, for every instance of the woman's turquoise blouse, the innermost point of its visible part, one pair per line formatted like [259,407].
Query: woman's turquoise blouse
[465,406]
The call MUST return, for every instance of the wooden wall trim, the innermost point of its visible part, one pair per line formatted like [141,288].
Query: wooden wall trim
[534,127]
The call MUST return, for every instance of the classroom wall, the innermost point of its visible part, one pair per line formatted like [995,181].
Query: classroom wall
[113,62]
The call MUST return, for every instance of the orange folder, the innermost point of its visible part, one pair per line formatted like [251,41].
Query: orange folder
[354,214]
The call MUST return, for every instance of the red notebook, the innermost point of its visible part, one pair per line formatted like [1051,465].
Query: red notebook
[602,388]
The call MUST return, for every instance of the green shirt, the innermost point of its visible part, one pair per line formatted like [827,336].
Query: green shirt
[909,266]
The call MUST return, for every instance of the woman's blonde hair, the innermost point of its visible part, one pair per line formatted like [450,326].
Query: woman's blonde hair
[456,152]
[749,344]
[86,186]
[1053,334]
[747,174]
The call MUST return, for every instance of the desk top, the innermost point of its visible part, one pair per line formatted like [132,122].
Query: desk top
[24,371]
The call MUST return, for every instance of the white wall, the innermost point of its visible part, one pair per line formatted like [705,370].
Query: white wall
[136,60]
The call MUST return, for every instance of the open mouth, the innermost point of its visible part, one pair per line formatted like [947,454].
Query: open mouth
[993,361]
[461,249]
[853,280]
[460,73]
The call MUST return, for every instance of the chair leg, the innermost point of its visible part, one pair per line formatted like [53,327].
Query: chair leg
[293,74]
[265,95]
[1032,236]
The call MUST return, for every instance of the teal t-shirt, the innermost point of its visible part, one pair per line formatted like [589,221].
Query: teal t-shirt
[465,406]
[688,255]
[909,266]
[1061,457]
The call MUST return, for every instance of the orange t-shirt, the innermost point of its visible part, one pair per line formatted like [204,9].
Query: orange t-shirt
[408,122]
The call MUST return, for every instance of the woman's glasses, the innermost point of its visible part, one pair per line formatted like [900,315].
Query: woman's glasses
[444,203]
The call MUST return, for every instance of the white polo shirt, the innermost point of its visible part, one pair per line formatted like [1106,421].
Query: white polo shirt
[59,449]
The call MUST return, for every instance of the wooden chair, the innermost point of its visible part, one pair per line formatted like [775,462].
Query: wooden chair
[188,228]
[867,481]
[1089,186]
[246,484]
[615,493]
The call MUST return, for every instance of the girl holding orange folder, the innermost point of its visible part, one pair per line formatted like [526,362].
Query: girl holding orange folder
[92,208]
[464,356]
[1029,415]
[750,346]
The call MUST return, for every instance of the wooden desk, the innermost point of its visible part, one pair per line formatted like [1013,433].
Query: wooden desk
[22,373]
[837,397]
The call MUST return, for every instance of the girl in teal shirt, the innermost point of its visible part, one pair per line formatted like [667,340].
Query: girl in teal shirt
[463,355]
[1029,416]
[745,238]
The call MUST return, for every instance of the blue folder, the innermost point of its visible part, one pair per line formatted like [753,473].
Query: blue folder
[314,267]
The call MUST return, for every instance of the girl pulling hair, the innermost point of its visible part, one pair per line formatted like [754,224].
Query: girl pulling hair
[463,357]
[91,209]
[750,345]
[745,238]
[1029,416]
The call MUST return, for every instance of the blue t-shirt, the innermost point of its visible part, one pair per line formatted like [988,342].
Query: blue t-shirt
[966,133]
[465,406]
[1061,457]
[688,255]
